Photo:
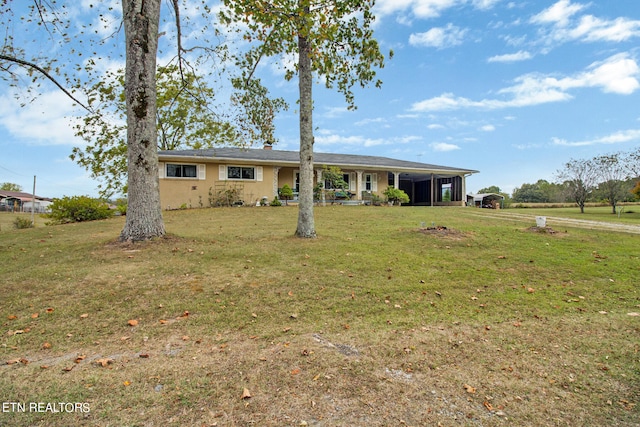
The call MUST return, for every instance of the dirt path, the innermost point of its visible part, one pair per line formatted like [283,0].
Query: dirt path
[553,221]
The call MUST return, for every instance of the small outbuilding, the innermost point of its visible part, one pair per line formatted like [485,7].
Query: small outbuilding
[486,200]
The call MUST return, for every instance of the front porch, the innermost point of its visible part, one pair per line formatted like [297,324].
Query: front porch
[423,189]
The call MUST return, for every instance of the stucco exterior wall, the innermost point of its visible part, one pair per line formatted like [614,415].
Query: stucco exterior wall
[204,189]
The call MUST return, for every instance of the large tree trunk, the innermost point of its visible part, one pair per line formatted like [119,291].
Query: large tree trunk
[306,226]
[144,213]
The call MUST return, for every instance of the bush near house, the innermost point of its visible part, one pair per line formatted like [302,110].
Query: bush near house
[396,195]
[286,193]
[78,209]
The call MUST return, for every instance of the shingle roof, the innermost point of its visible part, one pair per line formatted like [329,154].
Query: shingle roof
[283,157]
[18,195]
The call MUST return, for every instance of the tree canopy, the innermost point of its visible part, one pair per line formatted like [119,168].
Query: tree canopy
[333,39]
[10,186]
[185,118]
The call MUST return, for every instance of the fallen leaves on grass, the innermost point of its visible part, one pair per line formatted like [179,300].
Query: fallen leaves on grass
[14,361]
[245,394]
[469,389]
[132,322]
[104,362]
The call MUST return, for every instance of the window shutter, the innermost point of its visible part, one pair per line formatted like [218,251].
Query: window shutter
[202,172]
[162,171]
[374,182]
[259,173]
[222,172]
[352,181]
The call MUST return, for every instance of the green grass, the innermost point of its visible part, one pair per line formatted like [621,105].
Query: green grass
[376,322]
[628,213]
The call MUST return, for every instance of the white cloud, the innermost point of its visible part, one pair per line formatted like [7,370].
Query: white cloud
[617,74]
[443,146]
[435,127]
[592,29]
[564,27]
[440,37]
[326,139]
[45,121]
[614,138]
[511,57]
[333,139]
[484,4]
[426,9]
[488,128]
[365,122]
[333,112]
[420,8]
[558,14]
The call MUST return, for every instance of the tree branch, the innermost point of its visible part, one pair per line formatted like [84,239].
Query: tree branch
[44,72]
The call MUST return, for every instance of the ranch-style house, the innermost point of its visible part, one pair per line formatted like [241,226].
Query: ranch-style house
[214,176]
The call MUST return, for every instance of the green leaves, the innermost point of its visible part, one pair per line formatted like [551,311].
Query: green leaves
[341,45]
[187,117]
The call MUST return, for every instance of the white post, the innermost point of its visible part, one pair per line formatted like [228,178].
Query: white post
[359,186]
[33,203]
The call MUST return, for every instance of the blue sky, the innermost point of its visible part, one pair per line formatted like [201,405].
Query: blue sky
[513,89]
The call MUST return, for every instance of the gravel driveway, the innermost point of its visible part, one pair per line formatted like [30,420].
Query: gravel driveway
[553,221]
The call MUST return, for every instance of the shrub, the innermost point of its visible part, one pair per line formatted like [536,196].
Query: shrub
[276,202]
[121,206]
[396,195]
[286,193]
[22,222]
[78,209]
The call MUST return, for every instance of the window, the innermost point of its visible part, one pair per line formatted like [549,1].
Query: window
[370,182]
[238,172]
[181,171]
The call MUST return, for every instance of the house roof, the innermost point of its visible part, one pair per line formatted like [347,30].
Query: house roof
[19,195]
[291,158]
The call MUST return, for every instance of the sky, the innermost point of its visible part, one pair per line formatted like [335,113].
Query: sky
[513,89]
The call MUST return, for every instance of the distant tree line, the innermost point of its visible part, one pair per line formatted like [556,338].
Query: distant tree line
[609,178]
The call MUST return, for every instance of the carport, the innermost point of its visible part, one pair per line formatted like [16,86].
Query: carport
[486,200]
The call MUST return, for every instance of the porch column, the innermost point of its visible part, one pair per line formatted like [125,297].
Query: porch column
[433,189]
[276,171]
[396,179]
[320,181]
[464,190]
[359,185]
